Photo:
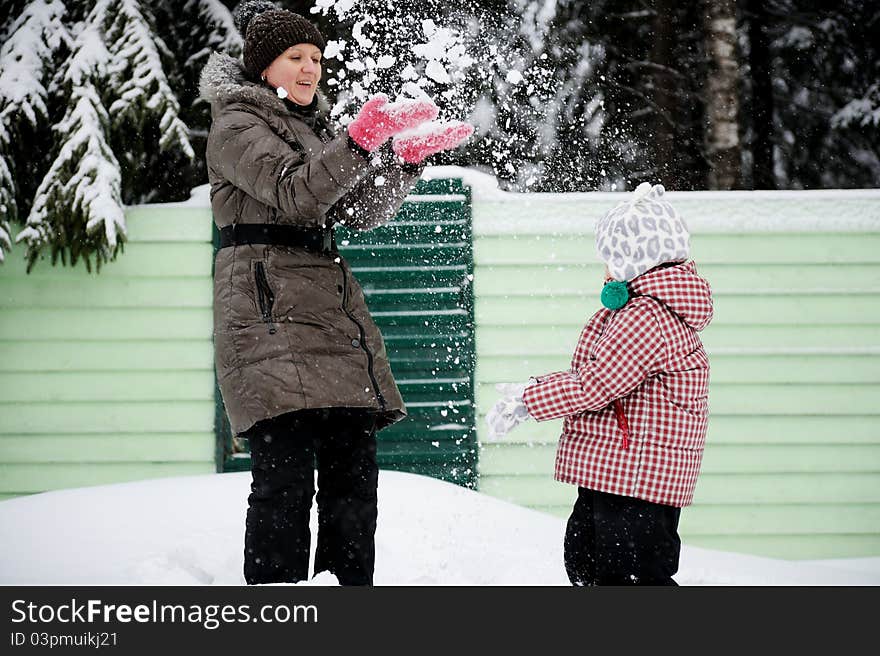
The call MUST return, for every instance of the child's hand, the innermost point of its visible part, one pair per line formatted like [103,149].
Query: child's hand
[508,413]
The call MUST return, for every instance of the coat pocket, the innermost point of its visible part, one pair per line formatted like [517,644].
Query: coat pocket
[265,295]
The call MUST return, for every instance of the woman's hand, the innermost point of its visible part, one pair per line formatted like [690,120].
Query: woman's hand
[378,120]
[413,146]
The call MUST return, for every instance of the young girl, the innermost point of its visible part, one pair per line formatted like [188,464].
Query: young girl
[634,402]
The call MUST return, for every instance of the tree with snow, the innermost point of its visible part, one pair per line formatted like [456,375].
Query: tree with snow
[117,93]
[192,30]
[818,102]
[82,186]
[89,81]
[34,42]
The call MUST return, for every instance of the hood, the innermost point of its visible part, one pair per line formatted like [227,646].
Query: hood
[224,81]
[681,289]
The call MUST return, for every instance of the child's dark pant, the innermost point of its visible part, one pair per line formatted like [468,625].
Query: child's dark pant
[284,451]
[617,540]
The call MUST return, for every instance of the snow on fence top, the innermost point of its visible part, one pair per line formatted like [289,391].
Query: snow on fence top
[498,212]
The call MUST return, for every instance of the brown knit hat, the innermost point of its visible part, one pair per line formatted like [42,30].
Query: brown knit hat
[269,31]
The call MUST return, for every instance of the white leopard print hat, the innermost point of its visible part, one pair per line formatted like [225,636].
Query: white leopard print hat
[640,233]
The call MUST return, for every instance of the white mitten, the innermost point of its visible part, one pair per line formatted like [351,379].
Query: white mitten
[508,413]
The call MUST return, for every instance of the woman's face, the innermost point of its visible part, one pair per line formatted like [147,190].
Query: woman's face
[297,70]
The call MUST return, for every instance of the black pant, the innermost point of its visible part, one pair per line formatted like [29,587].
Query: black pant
[283,454]
[617,540]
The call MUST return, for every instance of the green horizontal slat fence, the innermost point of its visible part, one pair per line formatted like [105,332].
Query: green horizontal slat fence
[107,377]
[792,464]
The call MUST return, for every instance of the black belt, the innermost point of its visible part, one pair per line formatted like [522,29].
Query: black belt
[318,240]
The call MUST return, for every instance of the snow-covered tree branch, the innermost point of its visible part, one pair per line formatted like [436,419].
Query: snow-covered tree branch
[78,209]
[27,62]
[91,117]
[137,82]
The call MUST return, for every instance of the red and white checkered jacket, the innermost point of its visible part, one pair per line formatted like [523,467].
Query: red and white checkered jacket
[635,400]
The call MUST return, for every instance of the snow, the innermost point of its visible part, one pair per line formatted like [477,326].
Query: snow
[408,73]
[536,17]
[358,35]
[574,213]
[5,239]
[797,37]
[719,212]
[135,67]
[440,42]
[198,197]
[334,49]
[95,180]
[190,531]
[341,7]
[864,111]
[35,36]
[413,90]
[406,110]
[435,128]
[386,61]
[383,38]
[437,72]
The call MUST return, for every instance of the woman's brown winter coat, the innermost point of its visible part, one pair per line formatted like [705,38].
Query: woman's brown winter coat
[291,327]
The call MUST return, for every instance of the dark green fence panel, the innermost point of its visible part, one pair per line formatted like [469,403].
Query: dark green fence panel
[417,276]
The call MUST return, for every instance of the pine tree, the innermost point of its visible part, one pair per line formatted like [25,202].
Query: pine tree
[823,61]
[192,30]
[5,239]
[34,40]
[147,131]
[656,79]
[106,113]
[78,209]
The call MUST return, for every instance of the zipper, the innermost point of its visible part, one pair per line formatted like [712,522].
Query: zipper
[622,423]
[362,336]
[265,297]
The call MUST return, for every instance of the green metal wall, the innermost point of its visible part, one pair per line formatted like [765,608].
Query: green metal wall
[109,377]
[792,464]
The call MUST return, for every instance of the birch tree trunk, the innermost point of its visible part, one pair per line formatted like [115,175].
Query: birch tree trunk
[722,95]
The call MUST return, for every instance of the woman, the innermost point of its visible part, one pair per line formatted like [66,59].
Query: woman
[301,365]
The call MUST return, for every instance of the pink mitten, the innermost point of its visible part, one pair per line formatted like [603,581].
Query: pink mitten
[378,119]
[417,144]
